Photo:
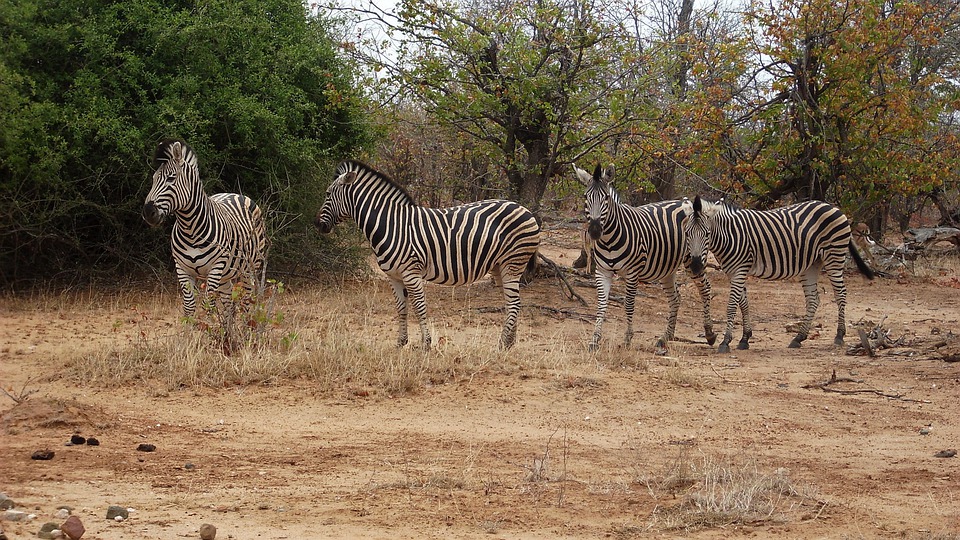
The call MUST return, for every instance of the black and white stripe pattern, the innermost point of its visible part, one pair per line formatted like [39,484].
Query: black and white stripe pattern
[642,244]
[218,239]
[450,246]
[795,240]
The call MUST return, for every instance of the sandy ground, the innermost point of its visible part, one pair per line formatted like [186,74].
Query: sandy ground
[615,445]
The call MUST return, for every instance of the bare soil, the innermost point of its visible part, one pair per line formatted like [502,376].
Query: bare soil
[616,444]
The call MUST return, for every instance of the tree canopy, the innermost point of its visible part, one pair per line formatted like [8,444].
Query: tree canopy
[88,88]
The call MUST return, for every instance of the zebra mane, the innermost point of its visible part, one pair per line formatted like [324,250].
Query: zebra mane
[359,166]
[163,153]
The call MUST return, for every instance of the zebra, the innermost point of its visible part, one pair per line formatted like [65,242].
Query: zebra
[218,239]
[415,244]
[640,244]
[795,240]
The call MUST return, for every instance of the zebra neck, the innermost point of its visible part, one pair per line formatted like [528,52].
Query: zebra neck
[193,221]
[377,213]
[614,215]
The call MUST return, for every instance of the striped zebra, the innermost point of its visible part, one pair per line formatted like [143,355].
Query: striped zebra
[640,244]
[450,246]
[218,239]
[795,240]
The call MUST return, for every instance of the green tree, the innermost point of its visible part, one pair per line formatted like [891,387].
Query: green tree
[850,105]
[88,88]
[530,82]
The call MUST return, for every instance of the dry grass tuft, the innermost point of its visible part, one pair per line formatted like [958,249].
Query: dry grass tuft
[721,491]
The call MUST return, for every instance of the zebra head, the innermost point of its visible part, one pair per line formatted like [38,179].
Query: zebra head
[698,227]
[175,181]
[597,198]
[335,205]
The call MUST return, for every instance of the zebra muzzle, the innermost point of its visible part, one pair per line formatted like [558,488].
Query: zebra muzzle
[151,214]
[323,226]
[594,229]
[696,265]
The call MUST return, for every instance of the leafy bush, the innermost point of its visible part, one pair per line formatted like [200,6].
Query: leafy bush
[88,88]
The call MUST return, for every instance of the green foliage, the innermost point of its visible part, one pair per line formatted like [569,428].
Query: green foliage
[533,85]
[87,90]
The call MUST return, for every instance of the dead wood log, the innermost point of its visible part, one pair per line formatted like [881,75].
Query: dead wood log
[925,237]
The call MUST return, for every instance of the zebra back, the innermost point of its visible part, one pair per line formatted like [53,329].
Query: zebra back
[778,243]
[452,245]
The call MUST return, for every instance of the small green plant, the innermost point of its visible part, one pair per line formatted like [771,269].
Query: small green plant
[246,321]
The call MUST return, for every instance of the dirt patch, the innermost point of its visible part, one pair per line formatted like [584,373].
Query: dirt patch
[546,441]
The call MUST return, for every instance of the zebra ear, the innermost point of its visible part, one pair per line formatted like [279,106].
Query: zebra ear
[582,175]
[176,152]
[348,177]
[608,174]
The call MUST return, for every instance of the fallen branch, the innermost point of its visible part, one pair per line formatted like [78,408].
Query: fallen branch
[825,386]
[565,286]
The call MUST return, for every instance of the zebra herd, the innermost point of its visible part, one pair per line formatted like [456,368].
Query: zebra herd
[220,240]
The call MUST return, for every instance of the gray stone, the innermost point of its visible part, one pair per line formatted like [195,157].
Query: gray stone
[46,531]
[73,528]
[62,513]
[15,515]
[6,504]
[208,532]
[115,511]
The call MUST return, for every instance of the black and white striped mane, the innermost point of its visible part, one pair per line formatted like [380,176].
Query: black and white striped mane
[163,153]
[363,169]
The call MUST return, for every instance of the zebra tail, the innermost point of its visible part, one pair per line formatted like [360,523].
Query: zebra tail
[860,262]
[532,265]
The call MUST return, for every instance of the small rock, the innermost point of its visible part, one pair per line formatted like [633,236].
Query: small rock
[189,466]
[77,439]
[73,528]
[146,447]
[62,513]
[44,454]
[15,515]
[46,531]
[117,511]
[925,431]
[208,532]
[6,504]
[945,453]
[118,519]
[92,441]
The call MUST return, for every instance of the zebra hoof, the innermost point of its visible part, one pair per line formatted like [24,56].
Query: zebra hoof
[838,341]
[743,345]
[711,338]
[724,348]
[593,347]
[795,343]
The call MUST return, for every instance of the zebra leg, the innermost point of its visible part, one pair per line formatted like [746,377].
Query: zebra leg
[811,295]
[703,287]
[414,287]
[188,288]
[400,293]
[630,297]
[604,279]
[840,293]
[511,292]
[744,343]
[673,299]
[737,291]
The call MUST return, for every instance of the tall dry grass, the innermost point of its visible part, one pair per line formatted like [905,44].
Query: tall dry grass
[337,337]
